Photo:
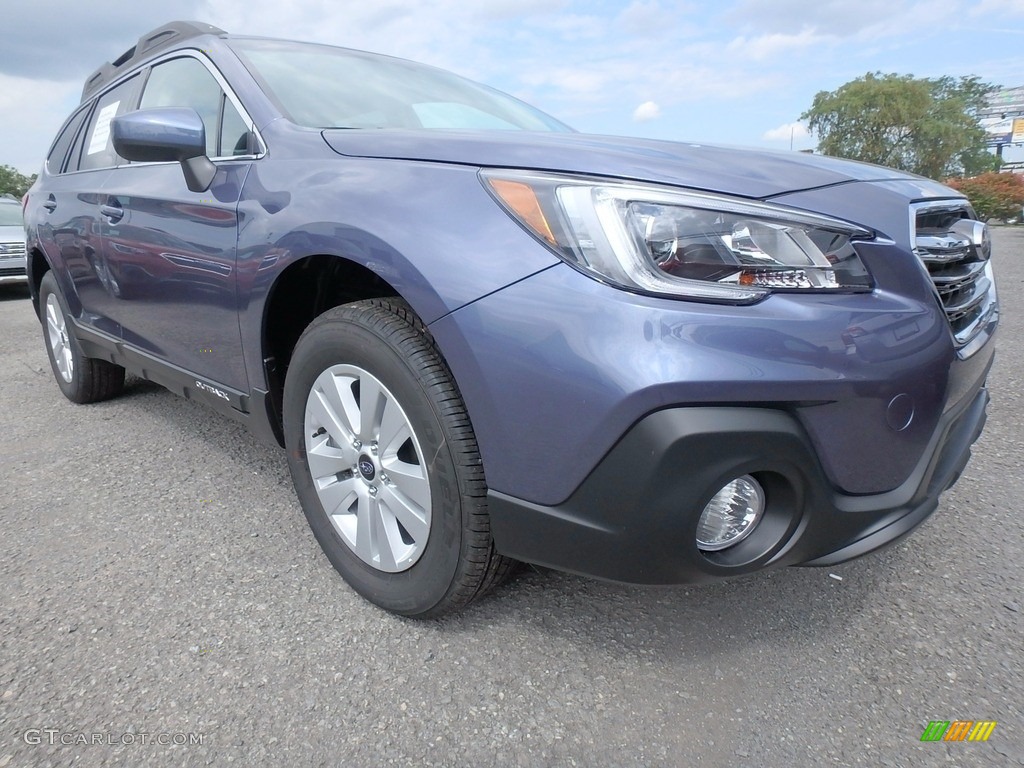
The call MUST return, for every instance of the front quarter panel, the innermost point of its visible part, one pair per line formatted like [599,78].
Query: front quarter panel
[430,231]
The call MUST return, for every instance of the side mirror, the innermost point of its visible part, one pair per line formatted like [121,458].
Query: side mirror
[168,134]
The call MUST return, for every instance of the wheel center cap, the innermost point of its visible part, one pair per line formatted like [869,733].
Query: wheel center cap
[367,468]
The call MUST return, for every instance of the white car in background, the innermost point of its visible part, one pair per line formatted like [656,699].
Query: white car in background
[12,242]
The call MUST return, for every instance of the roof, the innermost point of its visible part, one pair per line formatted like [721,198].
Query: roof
[150,43]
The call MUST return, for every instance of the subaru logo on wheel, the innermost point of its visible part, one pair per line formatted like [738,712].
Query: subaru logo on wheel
[366,468]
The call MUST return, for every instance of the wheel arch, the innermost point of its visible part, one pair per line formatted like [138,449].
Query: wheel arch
[37,267]
[301,292]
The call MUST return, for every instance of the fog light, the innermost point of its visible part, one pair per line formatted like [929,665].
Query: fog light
[731,515]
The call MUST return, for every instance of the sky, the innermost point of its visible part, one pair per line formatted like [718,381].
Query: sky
[736,72]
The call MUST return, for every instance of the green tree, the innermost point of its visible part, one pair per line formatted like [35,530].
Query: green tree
[14,183]
[993,195]
[923,125]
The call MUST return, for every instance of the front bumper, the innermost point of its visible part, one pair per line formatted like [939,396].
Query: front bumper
[13,270]
[634,518]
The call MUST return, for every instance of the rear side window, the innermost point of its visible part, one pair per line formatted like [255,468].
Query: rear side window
[186,82]
[55,161]
[98,151]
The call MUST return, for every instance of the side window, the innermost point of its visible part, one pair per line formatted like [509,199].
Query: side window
[59,152]
[186,82]
[98,151]
[234,133]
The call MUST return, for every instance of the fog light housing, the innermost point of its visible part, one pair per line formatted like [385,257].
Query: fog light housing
[731,515]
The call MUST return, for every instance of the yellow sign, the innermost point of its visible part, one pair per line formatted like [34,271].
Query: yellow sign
[1018,131]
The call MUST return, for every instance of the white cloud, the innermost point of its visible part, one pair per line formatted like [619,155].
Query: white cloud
[649,110]
[776,44]
[787,132]
[511,9]
[986,7]
[835,17]
[35,110]
[577,28]
[867,21]
[648,19]
[69,39]
[569,80]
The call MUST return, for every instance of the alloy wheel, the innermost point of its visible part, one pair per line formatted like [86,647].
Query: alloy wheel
[367,468]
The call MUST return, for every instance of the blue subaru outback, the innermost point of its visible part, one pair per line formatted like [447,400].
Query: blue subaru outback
[484,338]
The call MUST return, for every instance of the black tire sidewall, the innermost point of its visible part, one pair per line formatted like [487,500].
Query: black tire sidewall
[348,339]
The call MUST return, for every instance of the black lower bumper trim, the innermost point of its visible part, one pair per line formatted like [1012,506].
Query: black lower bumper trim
[634,518]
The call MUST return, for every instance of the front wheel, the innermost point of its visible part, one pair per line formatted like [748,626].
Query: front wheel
[385,462]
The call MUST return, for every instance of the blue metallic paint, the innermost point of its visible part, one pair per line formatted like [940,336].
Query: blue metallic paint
[159,134]
[603,359]
[69,235]
[376,213]
[173,257]
[712,168]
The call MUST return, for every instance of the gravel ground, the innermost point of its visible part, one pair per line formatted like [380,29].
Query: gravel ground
[159,580]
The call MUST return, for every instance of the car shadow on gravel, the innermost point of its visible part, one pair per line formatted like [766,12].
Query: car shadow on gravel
[14,293]
[136,386]
[795,606]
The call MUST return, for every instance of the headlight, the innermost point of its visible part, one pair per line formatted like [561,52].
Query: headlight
[683,244]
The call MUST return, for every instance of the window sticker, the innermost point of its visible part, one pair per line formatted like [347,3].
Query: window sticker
[101,133]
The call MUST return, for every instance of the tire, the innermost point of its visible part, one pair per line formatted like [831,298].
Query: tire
[82,379]
[399,501]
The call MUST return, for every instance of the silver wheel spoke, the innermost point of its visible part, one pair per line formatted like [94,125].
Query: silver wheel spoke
[364,544]
[337,496]
[410,515]
[52,325]
[326,460]
[378,503]
[344,403]
[325,408]
[385,536]
[394,430]
[56,332]
[410,481]
[371,406]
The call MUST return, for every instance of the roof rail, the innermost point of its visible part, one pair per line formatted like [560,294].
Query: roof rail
[151,42]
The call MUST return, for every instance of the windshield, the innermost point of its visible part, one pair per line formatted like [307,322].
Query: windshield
[323,87]
[10,215]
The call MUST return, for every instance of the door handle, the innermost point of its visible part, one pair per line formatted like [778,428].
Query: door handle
[50,204]
[113,211]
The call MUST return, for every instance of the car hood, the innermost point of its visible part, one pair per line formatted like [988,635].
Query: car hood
[12,233]
[727,170]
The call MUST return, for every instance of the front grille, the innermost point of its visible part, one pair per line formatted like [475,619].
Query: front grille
[956,249]
[12,272]
[11,250]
